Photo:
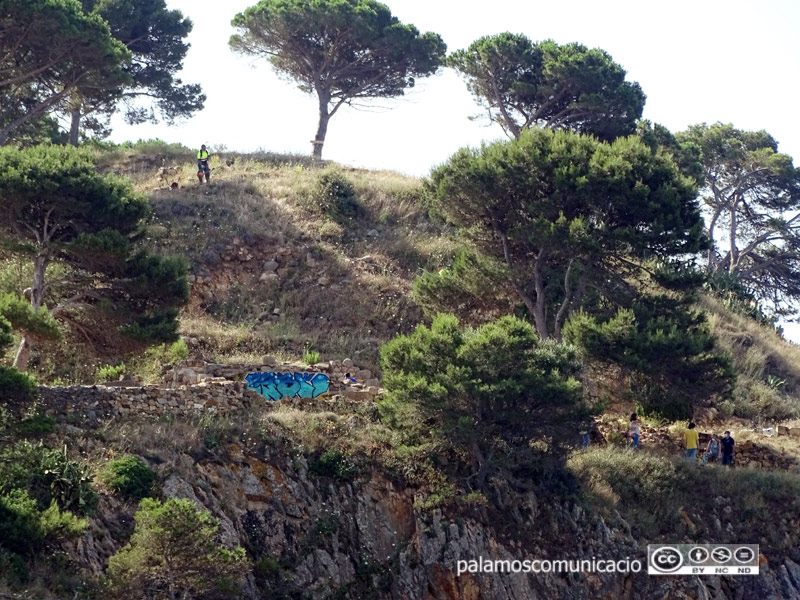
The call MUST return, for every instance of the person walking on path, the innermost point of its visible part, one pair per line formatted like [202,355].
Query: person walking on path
[712,450]
[634,431]
[727,444]
[691,437]
[202,164]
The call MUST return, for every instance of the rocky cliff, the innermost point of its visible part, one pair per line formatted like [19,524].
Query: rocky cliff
[368,536]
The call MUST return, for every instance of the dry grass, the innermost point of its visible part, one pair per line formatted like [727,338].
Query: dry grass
[767,366]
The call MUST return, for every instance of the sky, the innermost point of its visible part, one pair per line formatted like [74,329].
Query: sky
[700,61]
[732,61]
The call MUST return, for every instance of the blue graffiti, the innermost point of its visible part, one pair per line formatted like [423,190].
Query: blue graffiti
[275,386]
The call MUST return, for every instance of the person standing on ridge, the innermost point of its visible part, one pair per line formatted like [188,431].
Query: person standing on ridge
[202,164]
[691,436]
[727,449]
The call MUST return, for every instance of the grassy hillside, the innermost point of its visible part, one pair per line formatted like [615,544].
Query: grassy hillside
[284,257]
[287,256]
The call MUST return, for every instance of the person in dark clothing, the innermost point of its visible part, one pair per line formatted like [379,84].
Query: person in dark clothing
[726,443]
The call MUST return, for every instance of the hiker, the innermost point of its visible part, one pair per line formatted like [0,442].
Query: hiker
[202,164]
[727,449]
[349,379]
[634,431]
[691,437]
[584,433]
[712,450]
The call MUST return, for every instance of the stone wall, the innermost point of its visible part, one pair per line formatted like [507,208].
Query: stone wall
[366,388]
[196,387]
[102,402]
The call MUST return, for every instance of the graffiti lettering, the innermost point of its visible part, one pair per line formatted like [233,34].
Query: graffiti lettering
[275,386]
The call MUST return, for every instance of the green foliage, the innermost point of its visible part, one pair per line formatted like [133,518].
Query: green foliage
[523,84]
[110,372]
[13,568]
[176,352]
[129,477]
[572,218]
[25,527]
[155,35]
[34,423]
[310,357]
[342,50]
[22,317]
[16,387]
[335,196]
[173,551]
[266,567]
[5,333]
[752,193]
[666,346]
[332,463]
[466,289]
[87,224]
[48,474]
[482,392]
[58,49]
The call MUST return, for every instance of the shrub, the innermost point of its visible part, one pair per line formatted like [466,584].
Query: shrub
[49,475]
[665,345]
[332,463]
[311,357]
[173,553]
[177,351]
[335,196]
[129,477]
[17,387]
[35,423]
[110,373]
[484,393]
[24,527]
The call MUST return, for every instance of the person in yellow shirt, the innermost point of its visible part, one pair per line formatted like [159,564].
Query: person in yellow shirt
[202,164]
[691,436]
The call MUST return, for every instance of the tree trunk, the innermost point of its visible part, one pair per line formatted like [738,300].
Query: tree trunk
[539,316]
[23,353]
[37,296]
[322,128]
[75,127]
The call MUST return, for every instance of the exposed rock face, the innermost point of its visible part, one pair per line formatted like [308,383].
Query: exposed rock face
[368,538]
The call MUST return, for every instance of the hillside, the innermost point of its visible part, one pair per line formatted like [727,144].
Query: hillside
[293,264]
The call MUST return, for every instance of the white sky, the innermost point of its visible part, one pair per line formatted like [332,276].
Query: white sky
[735,61]
[704,60]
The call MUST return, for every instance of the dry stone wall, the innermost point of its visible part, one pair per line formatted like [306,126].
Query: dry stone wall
[102,402]
[194,387]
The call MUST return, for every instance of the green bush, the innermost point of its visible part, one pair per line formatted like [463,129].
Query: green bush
[486,394]
[17,387]
[110,372]
[335,196]
[36,423]
[311,357]
[129,477]
[24,527]
[12,568]
[665,345]
[176,352]
[173,553]
[332,463]
[48,474]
